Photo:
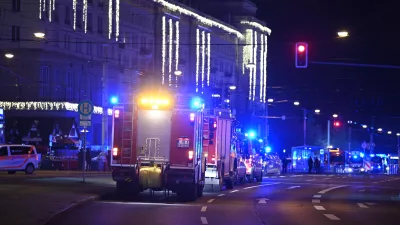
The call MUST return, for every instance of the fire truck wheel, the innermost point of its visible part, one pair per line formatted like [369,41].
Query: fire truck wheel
[229,183]
[251,178]
[200,190]
[259,179]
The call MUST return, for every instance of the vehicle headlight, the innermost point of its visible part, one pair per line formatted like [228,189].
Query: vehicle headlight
[362,169]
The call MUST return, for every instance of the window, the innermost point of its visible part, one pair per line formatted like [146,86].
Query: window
[45,81]
[89,22]
[16,5]
[67,16]
[3,151]
[15,33]
[99,25]
[21,150]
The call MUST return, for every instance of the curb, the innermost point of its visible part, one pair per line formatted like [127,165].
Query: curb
[71,206]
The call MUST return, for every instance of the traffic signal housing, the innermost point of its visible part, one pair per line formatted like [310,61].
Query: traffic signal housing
[301,60]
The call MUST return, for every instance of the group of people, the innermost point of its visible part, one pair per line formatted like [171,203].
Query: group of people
[314,164]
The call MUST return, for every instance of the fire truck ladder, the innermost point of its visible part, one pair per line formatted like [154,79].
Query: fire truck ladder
[127,133]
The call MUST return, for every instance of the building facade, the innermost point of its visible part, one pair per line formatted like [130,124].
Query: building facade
[65,51]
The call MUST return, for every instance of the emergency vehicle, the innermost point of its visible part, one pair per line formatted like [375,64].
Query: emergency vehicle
[222,163]
[158,144]
[253,161]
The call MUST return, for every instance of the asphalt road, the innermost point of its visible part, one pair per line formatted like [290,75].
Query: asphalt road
[291,199]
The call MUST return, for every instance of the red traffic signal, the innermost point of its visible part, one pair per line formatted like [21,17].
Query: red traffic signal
[336,124]
[301,60]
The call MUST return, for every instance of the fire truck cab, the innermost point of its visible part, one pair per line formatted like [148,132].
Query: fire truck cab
[157,144]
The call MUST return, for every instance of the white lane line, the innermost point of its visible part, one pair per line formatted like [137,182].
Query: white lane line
[311,180]
[250,187]
[210,201]
[234,191]
[331,217]
[362,206]
[221,195]
[326,178]
[330,189]
[362,190]
[204,220]
[318,207]
[261,185]
[282,176]
[370,203]
[204,208]
[317,196]
[292,187]
[316,201]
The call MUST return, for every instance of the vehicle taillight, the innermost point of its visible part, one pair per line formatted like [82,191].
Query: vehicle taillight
[115,151]
[190,155]
[116,113]
[192,115]
[248,169]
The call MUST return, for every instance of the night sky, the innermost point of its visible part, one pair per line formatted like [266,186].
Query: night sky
[356,93]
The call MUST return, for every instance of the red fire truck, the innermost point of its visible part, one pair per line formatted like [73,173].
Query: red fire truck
[157,145]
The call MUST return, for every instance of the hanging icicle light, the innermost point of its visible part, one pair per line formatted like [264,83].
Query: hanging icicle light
[247,50]
[117,19]
[208,58]
[170,45]
[265,65]
[203,58]
[74,9]
[255,66]
[163,53]
[261,67]
[197,58]
[252,62]
[50,9]
[85,11]
[54,5]
[176,51]
[110,18]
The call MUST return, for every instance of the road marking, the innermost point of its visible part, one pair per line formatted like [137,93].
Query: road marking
[370,203]
[292,187]
[362,190]
[317,196]
[375,182]
[316,201]
[263,200]
[282,176]
[261,185]
[204,220]
[331,217]
[250,187]
[326,178]
[204,208]
[330,189]
[318,207]
[221,195]
[362,206]
[210,201]
[234,191]
[311,180]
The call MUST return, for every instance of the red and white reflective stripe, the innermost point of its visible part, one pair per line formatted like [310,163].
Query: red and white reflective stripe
[367,164]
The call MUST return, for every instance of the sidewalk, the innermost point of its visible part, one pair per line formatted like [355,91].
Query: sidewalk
[35,201]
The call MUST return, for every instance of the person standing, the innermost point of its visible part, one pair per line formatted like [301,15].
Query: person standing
[310,164]
[88,160]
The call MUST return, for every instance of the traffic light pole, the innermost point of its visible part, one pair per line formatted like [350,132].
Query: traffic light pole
[305,126]
[104,121]
[329,144]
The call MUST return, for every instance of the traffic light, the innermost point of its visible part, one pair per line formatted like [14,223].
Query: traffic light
[336,124]
[301,60]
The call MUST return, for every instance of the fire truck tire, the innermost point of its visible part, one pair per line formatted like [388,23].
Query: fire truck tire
[229,183]
[259,178]
[251,178]
[200,190]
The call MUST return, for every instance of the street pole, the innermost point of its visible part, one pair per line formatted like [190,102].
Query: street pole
[104,121]
[329,144]
[398,154]
[346,157]
[305,126]
[84,156]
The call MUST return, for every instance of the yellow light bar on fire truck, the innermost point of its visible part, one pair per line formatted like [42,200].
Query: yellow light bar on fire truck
[155,103]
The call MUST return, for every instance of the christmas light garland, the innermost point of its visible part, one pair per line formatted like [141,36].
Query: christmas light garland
[197,58]
[255,65]
[40,8]
[176,51]
[85,11]
[203,58]
[247,50]
[54,5]
[251,61]
[202,19]
[117,19]
[257,25]
[208,58]
[261,67]
[170,45]
[110,14]
[265,65]
[163,49]
[48,106]
[74,9]
[50,10]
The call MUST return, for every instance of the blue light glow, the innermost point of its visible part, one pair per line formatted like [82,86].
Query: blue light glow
[355,156]
[252,134]
[196,103]
[362,155]
[268,149]
[260,140]
[114,100]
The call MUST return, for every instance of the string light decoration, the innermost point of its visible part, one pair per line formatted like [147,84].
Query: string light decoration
[203,58]
[251,61]
[48,106]
[40,8]
[265,65]
[255,66]
[261,67]
[74,9]
[110,14]
[54,5]
[176,51]
[44,5]
[170,45]
[202,19]
[163,49]
[208,58]
[257,25]
[50,10]
[247,50]
[85,11]
[197,58]
[117,19]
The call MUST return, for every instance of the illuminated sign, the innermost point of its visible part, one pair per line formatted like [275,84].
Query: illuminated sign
[183,143]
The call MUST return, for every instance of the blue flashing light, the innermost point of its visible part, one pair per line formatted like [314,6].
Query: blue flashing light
[268,149]
[362,155]
[114,100]
[372,155]
[260,140]
[355,156]
[246,134]
[196,103]
[252,134]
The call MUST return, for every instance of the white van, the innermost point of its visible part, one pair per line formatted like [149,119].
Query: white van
[15,158]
